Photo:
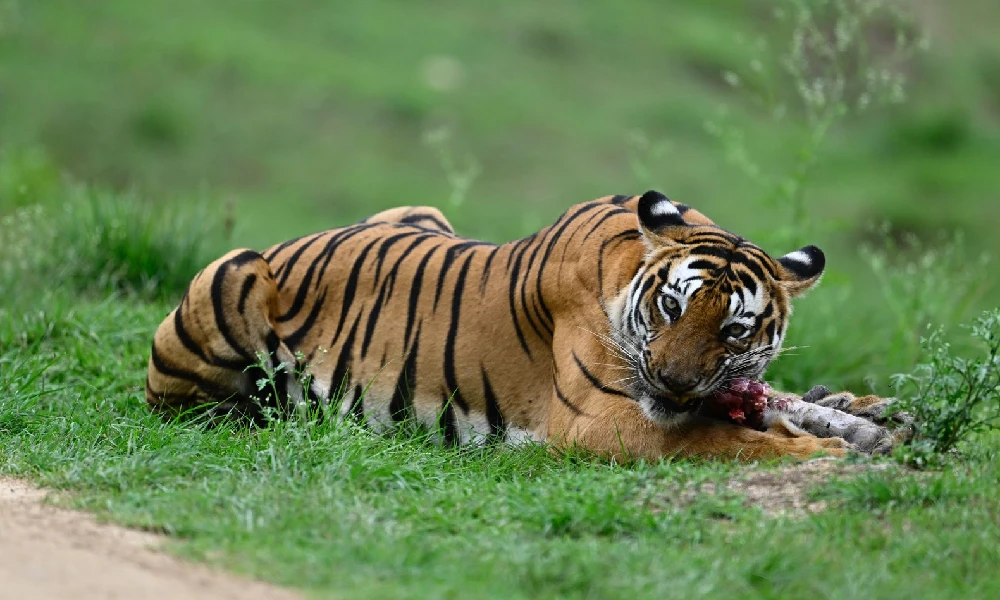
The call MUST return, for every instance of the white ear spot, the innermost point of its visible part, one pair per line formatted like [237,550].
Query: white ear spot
[663,208]
[800,257]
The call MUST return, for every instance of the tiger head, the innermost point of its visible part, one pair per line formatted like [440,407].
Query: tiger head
[705,307]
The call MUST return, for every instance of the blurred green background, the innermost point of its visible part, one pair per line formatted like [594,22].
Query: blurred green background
[296,116]
[307,114]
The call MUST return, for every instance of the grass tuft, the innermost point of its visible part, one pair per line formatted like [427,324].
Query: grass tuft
[98,243]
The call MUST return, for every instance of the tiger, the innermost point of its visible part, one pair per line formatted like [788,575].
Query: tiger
[603,332]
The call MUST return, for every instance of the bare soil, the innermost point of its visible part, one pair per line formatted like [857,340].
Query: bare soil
[49,552]
[785,491]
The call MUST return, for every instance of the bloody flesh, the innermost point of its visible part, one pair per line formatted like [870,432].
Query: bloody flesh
[742,401]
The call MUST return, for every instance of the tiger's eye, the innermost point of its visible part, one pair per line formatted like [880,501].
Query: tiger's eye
[669,306]
[735,330]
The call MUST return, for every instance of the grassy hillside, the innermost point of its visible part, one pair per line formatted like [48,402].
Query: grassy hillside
[308,114]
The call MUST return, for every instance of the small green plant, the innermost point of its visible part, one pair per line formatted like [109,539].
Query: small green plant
[952,398]
[271,396]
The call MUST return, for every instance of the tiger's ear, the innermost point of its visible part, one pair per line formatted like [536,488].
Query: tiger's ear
[799,271]
[657,214]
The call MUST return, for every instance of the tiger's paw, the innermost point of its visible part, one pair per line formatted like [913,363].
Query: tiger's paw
[808,447]
[800,443]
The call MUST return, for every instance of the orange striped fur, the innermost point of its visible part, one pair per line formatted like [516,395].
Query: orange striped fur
[603,330]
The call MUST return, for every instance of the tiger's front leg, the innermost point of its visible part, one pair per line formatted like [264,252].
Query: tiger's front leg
[862,421]
[615,427]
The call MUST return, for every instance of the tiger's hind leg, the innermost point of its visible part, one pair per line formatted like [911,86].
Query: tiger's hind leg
[211,351]
[426,217]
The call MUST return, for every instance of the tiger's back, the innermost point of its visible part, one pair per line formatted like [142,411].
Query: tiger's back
[395,315]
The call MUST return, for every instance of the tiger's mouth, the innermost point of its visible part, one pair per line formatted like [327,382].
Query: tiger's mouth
[668,402]
[675,406]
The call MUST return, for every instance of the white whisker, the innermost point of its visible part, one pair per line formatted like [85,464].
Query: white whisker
[611,366]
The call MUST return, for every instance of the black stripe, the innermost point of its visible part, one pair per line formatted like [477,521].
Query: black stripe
[713,235]
[608,214]
[402,397]
[748,282]
[753,266]
[293,339]
[768,311]
[206,386]
[757,257]
[554,236]
[270,254]
[351,286]
[373,317]
[417,284]
[300,296]
[447,423]
[218,284]
[343,366]
[284,271]
[593,215]
[620,199]
[704,265]
[769,331]
[415,219]
[394,272]
[333,244]
[512,291]
[530,315]
[450,376]
[562,398]
[182,334]
[594,381]
[273,342]
[493,415]
[647,284]
[618,238]
[245,291]
[244,257]
[450,255]
[357,409]
[725,254]
[485,275]
[383,251]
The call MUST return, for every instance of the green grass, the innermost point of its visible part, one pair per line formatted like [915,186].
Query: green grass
[290,117]
[340,512]
[337,511]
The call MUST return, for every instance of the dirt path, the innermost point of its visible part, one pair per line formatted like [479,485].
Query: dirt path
[49,553]
[53,553]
